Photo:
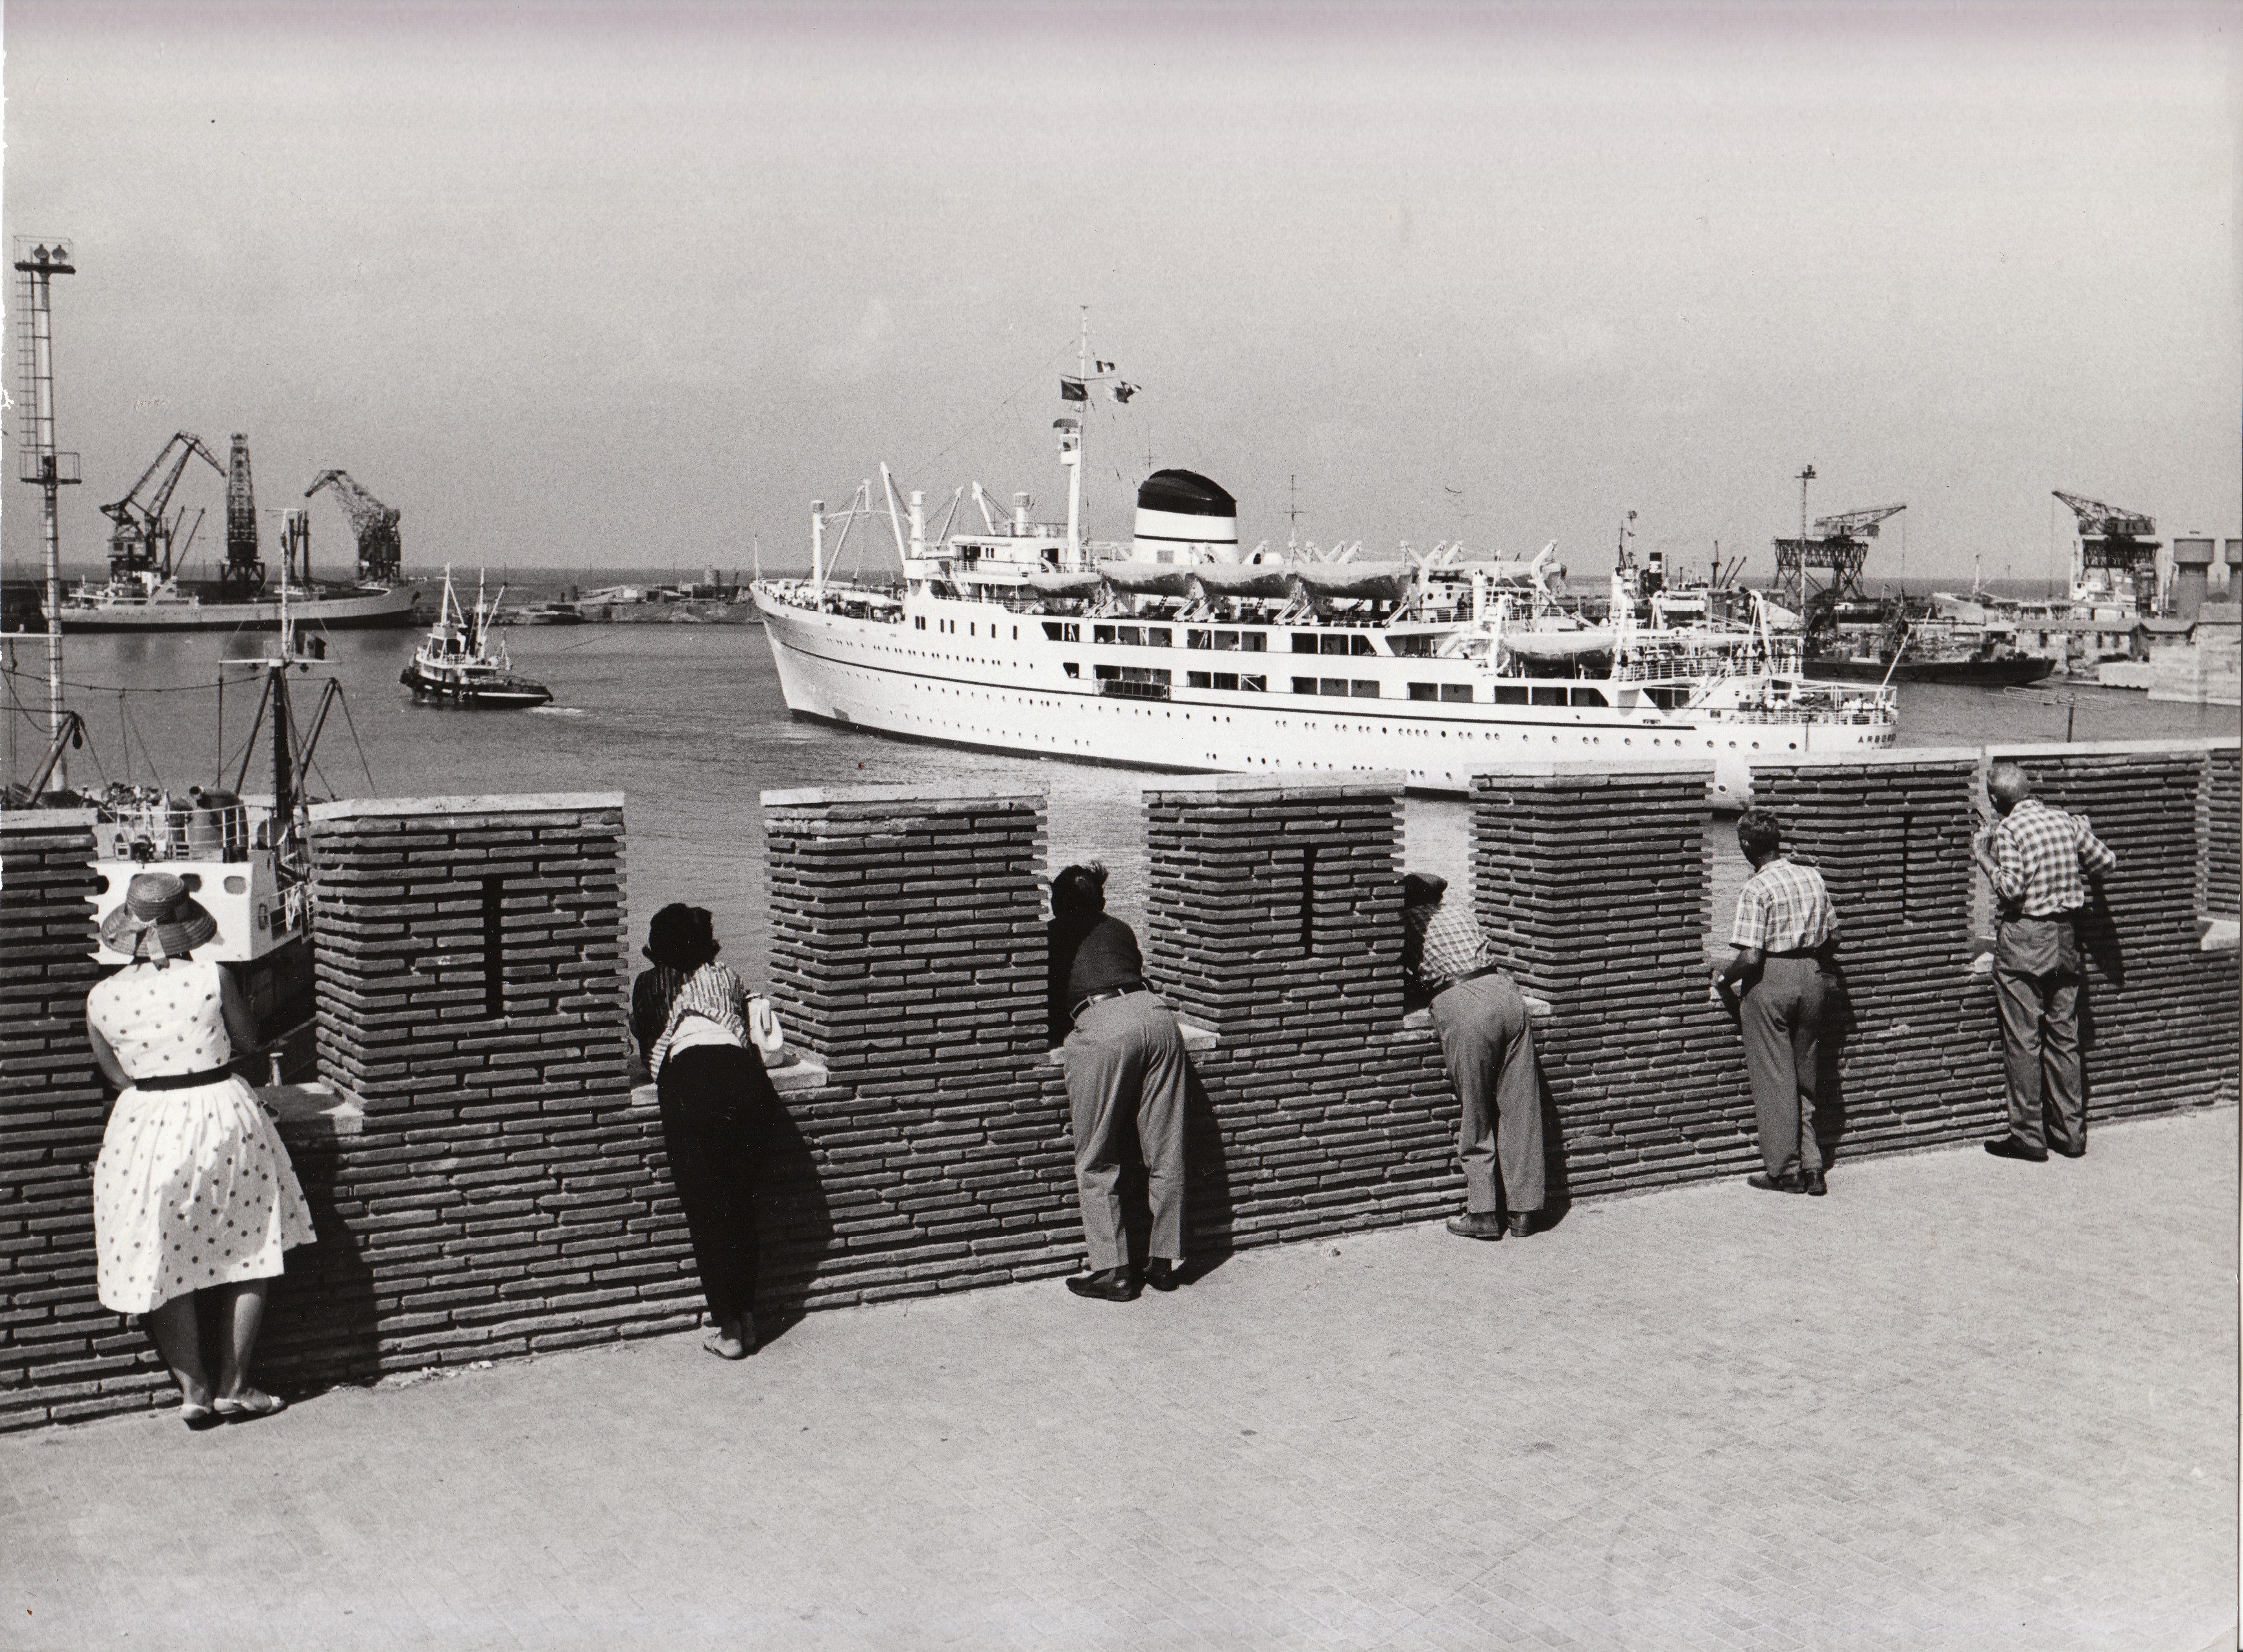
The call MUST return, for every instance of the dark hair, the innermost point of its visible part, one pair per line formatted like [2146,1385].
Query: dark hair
[1757,832]
[1079,891]
[1422,889]
[681,936]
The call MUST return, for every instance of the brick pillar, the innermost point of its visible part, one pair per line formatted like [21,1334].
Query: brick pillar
[1921,1059]
[1591,880]
[2161,1016]
[1272,903]
[2222,833]
[1275,918]
[62,1355]
[470,949]
[909,957]
[907,927]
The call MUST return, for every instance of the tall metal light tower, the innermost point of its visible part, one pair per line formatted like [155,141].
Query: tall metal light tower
[37,262]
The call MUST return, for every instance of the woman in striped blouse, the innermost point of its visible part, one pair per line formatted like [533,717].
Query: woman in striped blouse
[692,1018]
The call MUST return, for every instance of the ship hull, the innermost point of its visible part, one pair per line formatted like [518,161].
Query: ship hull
[392,608]
[512,697]
[891,680]
[1981,674]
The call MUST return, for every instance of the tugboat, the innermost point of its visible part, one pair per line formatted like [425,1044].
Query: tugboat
[464,663]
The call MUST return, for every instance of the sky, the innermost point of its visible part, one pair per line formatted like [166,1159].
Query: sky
[589,285]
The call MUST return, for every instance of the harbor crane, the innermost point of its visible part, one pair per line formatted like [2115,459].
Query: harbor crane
[2117,542]
[1839,545]
[381,553]
[242,575]
[140,541]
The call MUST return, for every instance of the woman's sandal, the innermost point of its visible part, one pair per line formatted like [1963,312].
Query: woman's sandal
[248,1406]
[199,1417]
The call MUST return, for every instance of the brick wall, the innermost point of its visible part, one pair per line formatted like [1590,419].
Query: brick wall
[908,957]
[2223,825]
[1274,916]
[505,1193]
[1590,881]
[2159,1016]
[502,1195]
[62,1355]
[1920,1059]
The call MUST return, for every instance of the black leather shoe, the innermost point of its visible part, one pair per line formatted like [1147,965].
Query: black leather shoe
[2010,1147]
[1768,1184]
[1479,1225]
[2068,1152]
[1162,1274]
[1113,1286]
[1521,1223]
[1815,1185]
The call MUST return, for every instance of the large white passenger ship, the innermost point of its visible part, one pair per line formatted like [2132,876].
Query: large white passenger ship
[1176,652]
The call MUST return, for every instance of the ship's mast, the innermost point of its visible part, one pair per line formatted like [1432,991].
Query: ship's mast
[1071,452]
[37,262]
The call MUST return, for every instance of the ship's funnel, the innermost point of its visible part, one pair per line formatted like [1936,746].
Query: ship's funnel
[1182,516]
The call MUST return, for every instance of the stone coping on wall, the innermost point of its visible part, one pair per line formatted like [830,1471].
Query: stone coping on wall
[816,796]
[505,803]
[312,1111]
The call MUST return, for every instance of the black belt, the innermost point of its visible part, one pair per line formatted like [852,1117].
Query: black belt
[184,1080]
[1799,952]
[1084,1003]
[1493,969]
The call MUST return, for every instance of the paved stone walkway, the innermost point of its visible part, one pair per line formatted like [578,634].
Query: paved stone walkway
[1957,1404]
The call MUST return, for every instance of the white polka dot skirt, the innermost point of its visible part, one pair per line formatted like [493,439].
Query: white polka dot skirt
[192,1189]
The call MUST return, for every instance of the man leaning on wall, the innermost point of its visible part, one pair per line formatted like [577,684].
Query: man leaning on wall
[2041,861]
[1488,1047]
[1778,980]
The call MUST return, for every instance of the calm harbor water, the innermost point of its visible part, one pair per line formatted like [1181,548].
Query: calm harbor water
[687,722]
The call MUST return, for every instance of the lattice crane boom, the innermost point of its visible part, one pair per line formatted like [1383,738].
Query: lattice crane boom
[380,553]
[1847,524]
[141,536]
[2098,520]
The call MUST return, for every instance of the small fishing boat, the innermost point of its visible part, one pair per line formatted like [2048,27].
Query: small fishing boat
[464,662]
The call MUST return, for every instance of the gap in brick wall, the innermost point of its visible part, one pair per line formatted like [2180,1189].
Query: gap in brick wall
[494,947]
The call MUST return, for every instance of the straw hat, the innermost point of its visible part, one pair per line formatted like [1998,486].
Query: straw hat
[158,918]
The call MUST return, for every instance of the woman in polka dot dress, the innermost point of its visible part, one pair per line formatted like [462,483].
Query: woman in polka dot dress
[193,1193]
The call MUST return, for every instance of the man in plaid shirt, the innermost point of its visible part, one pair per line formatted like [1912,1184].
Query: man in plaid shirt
[2040,861]
[1489,1050]
[1779,981]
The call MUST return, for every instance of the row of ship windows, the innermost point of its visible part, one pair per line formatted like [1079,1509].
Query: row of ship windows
[1164,636]
[1149,682]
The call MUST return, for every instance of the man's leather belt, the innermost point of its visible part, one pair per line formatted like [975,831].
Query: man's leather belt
[1799,952]
[1084,1003]
[1473,975]
[184,1080]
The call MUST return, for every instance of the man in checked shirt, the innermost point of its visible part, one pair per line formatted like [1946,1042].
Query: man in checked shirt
[2040,860]
[1488,1048]
[1779,981]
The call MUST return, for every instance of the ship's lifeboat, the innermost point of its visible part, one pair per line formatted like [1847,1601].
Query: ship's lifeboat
[1242,579]
[1145,578]
[1380,581]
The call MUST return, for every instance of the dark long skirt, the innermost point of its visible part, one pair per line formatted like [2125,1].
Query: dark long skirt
[717,1104]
